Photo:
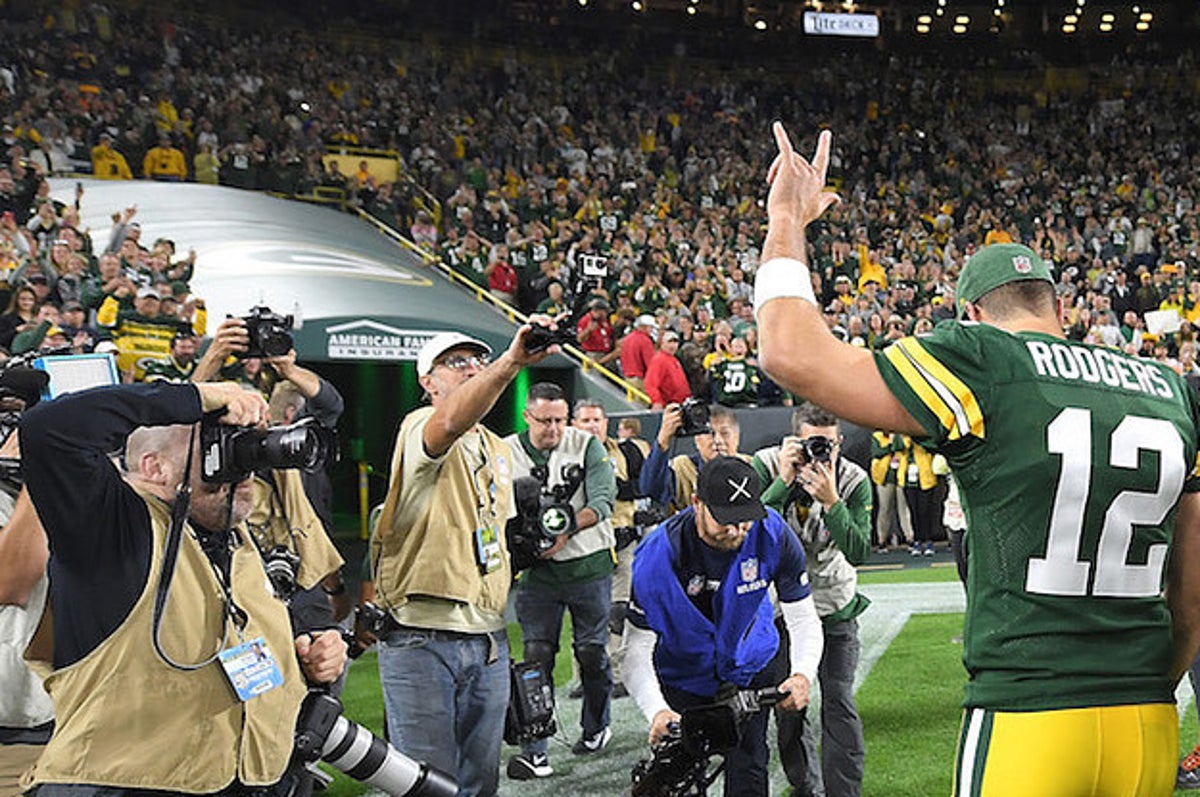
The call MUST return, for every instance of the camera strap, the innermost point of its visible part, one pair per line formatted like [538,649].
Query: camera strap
[179,513]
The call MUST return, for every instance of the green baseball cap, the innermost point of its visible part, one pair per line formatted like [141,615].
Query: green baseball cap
[996,265]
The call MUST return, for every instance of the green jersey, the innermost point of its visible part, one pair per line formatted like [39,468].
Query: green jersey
[735,382]
[1070,460]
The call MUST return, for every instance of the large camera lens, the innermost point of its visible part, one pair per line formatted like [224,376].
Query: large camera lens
[362,755]
[817,449]
[300,445]
[231,453]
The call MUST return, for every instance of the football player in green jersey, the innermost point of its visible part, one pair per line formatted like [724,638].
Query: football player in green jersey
[1077,471]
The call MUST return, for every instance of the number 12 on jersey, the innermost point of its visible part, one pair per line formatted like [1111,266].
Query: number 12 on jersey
[1061,571]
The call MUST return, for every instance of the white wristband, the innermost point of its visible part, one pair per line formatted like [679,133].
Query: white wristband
[782,277]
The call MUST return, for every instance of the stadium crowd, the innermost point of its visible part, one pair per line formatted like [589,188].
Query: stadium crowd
[533,170]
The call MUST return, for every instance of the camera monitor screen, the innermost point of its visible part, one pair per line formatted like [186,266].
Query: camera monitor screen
[72,372]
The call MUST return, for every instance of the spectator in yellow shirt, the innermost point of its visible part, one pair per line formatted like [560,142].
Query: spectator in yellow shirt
[165,162]
[107,163]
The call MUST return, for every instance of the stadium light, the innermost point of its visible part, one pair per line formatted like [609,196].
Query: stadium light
[922,28]
[1000,3]
[691,10]
[1143,27]
[1068,28]
[583,3]
[637,5]
[962,19]
[941,3]
[760,24]
[960,29]
[1106,27]
[1070,19]
[1146,16]
[924,19]
[997,11]
[940,11]
[1107,18]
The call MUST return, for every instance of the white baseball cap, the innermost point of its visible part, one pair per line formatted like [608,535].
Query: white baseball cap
[647,321]
[441,343]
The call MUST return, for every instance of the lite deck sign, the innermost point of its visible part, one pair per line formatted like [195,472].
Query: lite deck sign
[817,23]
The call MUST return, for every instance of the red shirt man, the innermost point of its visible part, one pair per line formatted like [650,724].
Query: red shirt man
[637,349]
[666,382]
[594,331]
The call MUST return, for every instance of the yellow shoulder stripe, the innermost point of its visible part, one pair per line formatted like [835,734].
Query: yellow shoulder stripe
[912,376]
[955,404]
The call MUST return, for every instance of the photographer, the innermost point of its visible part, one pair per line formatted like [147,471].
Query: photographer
[701,615]
[626,459]
[441,567]
[671,481]
[595,333]
[575,573]
[141,699]
[826,500]
[284,519]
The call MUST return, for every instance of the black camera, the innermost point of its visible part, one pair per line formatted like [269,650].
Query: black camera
[678,765]
[370,623]
[817,449]
[322,732]
[695,418]
[282,564]
[540,338]
[270,333]
[369,617]
[232,453]
[544,513]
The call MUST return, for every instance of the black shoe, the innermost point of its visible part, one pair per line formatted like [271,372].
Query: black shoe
[576,692]
[619,691]
[529,767]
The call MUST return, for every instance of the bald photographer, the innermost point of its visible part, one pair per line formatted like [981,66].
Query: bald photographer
[175,669]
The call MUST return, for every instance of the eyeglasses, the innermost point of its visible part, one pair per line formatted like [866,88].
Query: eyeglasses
[460,362]
[548,421]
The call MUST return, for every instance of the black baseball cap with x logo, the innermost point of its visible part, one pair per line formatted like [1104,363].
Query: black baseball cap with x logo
[729,487]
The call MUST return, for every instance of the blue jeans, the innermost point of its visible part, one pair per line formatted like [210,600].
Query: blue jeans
[445,696]
[540,612]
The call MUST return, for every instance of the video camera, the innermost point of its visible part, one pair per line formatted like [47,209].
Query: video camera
[270,333]
[544,513]
[678,766]
[322,732]
[593,270]
[232,453]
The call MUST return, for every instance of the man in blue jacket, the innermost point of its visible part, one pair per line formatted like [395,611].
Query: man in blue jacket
[701,615]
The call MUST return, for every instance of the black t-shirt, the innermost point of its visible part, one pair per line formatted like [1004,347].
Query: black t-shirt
[99,528]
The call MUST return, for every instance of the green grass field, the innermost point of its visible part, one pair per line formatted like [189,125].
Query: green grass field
[909,705]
